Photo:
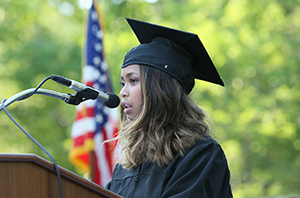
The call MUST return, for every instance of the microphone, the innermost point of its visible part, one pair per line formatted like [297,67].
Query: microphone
[109,99]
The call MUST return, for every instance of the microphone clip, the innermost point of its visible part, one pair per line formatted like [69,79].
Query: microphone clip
[81,96]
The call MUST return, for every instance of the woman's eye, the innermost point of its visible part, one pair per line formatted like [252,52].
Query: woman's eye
[122,84]
[133,81]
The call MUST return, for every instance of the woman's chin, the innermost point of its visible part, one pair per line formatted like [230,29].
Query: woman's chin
[130,117]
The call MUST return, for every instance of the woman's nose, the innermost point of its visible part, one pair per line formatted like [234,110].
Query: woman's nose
[123,93]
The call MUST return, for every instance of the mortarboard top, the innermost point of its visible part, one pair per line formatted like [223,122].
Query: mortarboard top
[178,53]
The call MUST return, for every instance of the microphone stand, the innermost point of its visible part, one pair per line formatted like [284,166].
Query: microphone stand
[76,99]
[68,98]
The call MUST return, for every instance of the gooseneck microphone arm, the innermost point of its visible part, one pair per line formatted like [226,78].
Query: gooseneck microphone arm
[23,94]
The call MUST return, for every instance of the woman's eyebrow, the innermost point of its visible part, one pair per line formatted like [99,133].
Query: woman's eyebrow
[128,75]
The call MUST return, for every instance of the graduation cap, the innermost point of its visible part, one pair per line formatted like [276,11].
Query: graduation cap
[178,53]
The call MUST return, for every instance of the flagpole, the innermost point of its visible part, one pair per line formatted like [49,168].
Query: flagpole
[92,166]
[92,152]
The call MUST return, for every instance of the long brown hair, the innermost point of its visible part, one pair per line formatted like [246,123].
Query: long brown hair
[168,123]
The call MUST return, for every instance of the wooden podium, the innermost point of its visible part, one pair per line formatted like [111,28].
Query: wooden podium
[30,176]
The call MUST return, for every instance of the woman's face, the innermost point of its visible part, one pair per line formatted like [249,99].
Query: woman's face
[131,93]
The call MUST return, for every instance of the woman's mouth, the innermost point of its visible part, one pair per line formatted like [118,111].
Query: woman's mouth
[127,107]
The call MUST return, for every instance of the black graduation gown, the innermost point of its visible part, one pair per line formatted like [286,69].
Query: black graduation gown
[203,172]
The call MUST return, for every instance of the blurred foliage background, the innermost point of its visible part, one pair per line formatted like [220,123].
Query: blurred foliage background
[254,45]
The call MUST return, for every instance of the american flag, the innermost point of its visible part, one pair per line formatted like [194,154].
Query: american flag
[94,122]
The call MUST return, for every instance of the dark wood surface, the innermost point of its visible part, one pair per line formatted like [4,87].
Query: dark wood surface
[28,175]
